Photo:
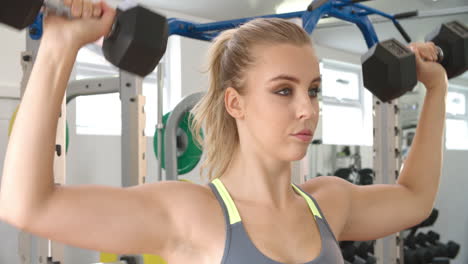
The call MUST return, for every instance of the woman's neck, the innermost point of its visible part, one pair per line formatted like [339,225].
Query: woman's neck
[259,179]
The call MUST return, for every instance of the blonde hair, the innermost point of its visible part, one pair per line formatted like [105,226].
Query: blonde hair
[230,56]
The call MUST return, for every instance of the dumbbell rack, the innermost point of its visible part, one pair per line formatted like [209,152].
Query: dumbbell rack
[133,143]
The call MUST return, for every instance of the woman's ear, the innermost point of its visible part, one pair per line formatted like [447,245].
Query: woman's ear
[234,103]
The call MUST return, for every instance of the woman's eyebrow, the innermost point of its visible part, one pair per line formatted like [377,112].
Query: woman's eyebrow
[293,78]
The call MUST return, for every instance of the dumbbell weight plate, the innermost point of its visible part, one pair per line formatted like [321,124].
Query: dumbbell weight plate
[389,70]
[452,38]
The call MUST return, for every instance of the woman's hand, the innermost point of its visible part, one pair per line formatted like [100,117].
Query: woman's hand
[429,71]
[90,21]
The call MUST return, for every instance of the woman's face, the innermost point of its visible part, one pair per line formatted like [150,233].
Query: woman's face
[280,102]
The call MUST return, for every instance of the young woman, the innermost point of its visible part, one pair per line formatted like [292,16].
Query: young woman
[259,115]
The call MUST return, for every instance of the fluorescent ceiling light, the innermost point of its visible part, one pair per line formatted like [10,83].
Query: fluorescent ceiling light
[292,6]
[288,6]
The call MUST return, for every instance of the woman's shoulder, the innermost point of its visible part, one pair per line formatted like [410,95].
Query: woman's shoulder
[333,196]
[183,192]
[326,185]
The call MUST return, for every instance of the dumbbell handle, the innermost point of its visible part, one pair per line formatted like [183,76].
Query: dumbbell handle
[440,54]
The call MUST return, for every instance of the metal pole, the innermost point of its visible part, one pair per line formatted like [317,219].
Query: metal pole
[170,139]
[387,164]
[133,144]
[160,125]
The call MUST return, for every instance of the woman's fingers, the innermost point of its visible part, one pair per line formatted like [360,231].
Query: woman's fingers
[77,8]
[84,8]
[427,51]
[436,50]
[87,9]
[97,11]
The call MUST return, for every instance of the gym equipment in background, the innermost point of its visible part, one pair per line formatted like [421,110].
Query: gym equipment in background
[389,67]
[426,247]
[173,141]
[136,43]
[358,252]
[353,171]
[389,61]
[418,248]
[188,152]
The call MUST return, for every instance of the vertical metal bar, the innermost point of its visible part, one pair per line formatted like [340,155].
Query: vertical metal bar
[132,152]
[170,138]
[386,166]
[160,125]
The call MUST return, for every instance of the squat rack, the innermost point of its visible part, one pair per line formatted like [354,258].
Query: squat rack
[133,143]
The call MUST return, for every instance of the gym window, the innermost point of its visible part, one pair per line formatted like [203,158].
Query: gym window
[346,105]
[101,114]
[456,133]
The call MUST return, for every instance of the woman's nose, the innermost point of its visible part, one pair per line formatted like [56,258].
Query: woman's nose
[307,107]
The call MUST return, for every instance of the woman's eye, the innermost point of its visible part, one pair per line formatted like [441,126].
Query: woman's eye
[284,92]
[314,92]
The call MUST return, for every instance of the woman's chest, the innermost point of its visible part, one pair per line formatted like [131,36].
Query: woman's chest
[285,237]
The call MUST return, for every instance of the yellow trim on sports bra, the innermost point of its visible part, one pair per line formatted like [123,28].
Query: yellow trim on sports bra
[234,216]
[309,201]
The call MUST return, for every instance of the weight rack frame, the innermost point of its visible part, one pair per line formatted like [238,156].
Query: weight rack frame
[133,143]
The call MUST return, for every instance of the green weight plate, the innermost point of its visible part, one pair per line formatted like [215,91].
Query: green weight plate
[188,153]
[67,138]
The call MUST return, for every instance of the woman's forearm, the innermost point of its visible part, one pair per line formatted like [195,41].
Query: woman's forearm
[27,178]
[423,167]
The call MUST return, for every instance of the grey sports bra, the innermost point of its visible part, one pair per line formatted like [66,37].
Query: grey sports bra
[240,249]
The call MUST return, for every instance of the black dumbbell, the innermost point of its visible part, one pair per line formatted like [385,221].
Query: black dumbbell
[417,253]
[364,249]
[440,261]
[450,250]
[452,38]
[369,260]
[437,249]
[136,44]
[348,250]
[389,67]
[344,173]
[416,256]
[366,176]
